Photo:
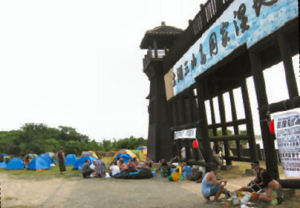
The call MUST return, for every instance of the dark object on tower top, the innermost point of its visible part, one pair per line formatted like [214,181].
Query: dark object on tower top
[164,36]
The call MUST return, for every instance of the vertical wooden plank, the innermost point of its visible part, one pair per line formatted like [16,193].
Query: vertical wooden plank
[224,129]
[234,119]
[202,130]
[286,56]
[249,122]
[213,121]
[268,141]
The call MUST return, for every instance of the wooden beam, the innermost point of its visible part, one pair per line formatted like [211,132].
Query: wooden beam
[286,56]
[226,124]
[234,119]
[260,88]
[224,129]
[202,130]
[281,106]
[249,123]
[227,137]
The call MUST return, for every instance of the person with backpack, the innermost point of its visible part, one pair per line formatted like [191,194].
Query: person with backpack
[164,168]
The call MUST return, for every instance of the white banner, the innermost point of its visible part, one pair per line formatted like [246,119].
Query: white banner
[185,134]
[287,131]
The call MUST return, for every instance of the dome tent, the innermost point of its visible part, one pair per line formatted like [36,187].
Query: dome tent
[46,157]
[70,159]
[15,164]
[126,157]
[38,163]
[2,165]
[125,154]
[79,163]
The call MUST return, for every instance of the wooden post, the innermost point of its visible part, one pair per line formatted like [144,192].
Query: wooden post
[202,130]
[286,56]
[268,141]
[213,121]
[249,122]
[235,126]
[224,128]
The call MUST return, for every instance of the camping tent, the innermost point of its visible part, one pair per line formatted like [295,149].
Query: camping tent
[70,159]
[30,156]
[15,164]
[142,152]
[126,157]
[79,163]
[89,153]
[46,157]
[142,148]
[124,152]
[39,163]
[2,165]
[4,155]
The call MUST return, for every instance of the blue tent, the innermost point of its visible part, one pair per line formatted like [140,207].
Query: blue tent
[46,157]
[15,164]
[70,159]
[4,155]
[38,163]
[79,163]
[2,165]
[126,157]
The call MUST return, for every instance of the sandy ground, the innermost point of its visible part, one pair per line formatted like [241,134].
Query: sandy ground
[104,192]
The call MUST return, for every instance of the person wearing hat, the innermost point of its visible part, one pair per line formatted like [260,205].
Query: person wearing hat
[257,183]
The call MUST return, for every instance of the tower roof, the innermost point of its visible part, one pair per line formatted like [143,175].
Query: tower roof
[164,36]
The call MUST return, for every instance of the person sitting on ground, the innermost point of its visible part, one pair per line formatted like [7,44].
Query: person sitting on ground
[211,186]
[148,163]
[86,169]
[273,192]
[164,168]
[255,184]
[136,162]
[100,167]
[122,165]
[131,166]
[175,161]
[114,169]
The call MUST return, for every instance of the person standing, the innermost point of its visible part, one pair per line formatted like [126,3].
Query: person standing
[61,160]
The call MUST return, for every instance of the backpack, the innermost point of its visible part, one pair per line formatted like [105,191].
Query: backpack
[165,171]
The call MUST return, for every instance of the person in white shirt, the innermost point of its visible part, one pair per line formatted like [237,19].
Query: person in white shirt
[114,169]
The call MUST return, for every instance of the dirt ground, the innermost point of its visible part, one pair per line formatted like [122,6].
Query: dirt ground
[103,192]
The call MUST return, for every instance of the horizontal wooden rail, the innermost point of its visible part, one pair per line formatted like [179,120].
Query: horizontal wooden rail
[231,123]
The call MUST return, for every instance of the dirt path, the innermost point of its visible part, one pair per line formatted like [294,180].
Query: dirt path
[78,192]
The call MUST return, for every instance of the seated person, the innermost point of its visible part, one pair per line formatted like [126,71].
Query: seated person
[131,166]
[99,167]
[256,183]
[136,162]
[164,168]
[86,169]
[114,169]
[274,192]
[175,161]
[211,186]
[122,165]
[147,163]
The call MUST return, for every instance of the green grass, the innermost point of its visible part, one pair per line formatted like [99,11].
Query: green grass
[45,174]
